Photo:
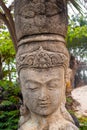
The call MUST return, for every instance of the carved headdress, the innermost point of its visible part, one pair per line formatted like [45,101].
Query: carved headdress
[42,56]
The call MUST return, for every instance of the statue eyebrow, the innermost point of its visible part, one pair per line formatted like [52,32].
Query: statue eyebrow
[33,81]
[37,82]
[52,80]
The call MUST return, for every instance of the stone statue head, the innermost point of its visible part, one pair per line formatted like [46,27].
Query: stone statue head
[42,72]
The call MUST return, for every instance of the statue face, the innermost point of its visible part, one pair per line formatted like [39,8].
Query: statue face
[42,89]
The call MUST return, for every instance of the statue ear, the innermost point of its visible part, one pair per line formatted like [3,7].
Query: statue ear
[18,80]
[25,115]
[68,79]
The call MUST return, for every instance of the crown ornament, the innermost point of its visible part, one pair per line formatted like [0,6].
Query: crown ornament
[41,59]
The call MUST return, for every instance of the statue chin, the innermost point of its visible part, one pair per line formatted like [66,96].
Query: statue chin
[44,112]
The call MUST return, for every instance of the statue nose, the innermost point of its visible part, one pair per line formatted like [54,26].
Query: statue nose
[44,94]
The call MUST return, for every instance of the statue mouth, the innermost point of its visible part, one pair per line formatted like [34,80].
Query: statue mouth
[44,104]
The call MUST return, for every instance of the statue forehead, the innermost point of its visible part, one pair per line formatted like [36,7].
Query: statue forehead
[42,76]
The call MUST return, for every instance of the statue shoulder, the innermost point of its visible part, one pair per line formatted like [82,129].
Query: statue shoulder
[71,126]
[29,125]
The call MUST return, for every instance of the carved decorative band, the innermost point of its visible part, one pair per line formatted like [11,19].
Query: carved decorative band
[38,38]
[41,59]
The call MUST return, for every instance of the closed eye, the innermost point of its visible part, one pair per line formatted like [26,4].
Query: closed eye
[33,89]
[53,84]
[33,86]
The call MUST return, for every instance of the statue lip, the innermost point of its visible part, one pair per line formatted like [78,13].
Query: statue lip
[44,104]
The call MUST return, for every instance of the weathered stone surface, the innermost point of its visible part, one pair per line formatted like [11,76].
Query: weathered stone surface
[42,63]
[80,95]
[40,17]
[43,86]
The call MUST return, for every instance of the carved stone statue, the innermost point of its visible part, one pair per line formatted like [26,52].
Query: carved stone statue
[42,63]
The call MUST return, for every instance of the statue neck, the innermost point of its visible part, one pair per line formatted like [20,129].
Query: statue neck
[45,120]
[50,122]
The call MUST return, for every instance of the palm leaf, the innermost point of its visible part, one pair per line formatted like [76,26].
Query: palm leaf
[76,4]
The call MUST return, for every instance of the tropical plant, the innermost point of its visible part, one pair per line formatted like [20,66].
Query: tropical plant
[77,37]
[9,89]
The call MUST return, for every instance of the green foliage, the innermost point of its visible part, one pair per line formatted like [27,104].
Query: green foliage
[6,103]
[9,119]
[77,5]
[69,100]
[7,54]
[83,123]
[77,36]
[82,120]
[10,89]
[69,103]
[6,47]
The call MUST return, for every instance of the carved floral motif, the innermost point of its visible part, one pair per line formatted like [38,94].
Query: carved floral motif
[41,59]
